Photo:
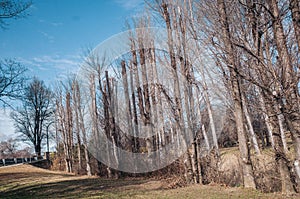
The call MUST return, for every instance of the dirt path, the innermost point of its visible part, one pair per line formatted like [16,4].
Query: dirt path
[25,181]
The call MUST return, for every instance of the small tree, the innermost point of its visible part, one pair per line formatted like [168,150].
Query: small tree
[8,148]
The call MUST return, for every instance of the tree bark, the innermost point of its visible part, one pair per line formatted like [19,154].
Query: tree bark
[69,133]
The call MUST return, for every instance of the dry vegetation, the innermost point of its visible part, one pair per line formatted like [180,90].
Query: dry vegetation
[26,181]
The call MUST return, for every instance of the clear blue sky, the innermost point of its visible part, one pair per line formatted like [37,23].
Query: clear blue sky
[51,41]
[53,38]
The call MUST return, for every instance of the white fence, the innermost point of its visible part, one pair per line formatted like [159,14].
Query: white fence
[11,161]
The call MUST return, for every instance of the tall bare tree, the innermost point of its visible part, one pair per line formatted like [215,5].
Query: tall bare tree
[31,118]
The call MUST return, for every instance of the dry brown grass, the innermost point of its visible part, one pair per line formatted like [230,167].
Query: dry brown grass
[25,181]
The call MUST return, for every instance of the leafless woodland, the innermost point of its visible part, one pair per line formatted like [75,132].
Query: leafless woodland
[228,77]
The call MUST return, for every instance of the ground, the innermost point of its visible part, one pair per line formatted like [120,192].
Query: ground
[26,181]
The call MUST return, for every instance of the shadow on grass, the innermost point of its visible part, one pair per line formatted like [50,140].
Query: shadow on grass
[15,177]
[18,175]
[76,188]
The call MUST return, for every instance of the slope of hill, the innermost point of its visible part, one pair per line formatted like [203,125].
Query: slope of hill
[26,181]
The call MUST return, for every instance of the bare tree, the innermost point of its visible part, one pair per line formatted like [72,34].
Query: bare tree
[234,79]
[165,92]
[77,123]
[31,118]
[80,110]
[8,148]
[166,10]
[64,119]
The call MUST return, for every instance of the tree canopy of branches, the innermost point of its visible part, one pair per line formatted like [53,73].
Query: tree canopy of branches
[12,9]
[12,79]
[36,111]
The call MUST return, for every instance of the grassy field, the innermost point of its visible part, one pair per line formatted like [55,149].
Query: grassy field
[26,181]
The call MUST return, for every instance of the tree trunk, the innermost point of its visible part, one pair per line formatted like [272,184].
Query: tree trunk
[69,125]
[250,127]
[113,134]
[246,164]
[288,101]
[295,10]
[153,93]
[160,118]
[188,96]
[82,128]
[135,116]
[128,103]
[211,120]
[94,114]
[75,108]
[177,95]
[146,95]
[280,155]
[266,117]
[107,128]
[137,80]
[200,121]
